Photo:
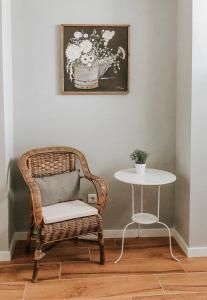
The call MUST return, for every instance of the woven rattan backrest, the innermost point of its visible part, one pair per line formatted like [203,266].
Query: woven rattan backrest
[51,163]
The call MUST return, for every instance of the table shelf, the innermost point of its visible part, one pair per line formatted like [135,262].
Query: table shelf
[144,218]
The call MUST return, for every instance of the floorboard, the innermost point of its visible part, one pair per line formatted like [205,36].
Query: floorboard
[71,270]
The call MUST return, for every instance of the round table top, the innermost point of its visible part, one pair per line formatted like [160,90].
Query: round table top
[150,177]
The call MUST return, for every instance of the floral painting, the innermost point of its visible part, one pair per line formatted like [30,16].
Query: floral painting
[95,59]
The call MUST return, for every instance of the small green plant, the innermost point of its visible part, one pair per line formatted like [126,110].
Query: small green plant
[139,156]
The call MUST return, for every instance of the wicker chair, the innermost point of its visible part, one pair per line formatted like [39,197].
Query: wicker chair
[50,161]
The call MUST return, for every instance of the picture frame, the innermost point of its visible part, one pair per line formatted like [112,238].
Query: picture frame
[95,59]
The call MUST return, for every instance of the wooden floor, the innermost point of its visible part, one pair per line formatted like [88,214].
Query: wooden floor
[71,271]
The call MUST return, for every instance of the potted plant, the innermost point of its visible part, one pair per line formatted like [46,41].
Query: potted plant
[139,157]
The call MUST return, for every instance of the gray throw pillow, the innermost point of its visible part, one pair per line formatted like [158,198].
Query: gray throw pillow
[59,188]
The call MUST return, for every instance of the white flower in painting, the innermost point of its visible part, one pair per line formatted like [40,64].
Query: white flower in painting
[121,52]
[72,52]
[91,58]
[85,35]
[107,35]
[89,65]
[86,46]
[85,59]
[77,34]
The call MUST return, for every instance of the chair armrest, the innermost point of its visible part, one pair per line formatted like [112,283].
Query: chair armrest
[34,192]
[36,203]
[102,193]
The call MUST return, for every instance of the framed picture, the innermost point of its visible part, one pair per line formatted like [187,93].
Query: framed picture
[95,59]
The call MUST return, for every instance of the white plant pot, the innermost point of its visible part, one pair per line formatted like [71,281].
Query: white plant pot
[140,168]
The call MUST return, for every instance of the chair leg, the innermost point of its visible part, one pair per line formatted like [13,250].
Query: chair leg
[35,271]
[37,256]
[29,236]
[101,246]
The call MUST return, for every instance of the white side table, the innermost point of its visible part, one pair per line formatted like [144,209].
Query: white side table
[151,177]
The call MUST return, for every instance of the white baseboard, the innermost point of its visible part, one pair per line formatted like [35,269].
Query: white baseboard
[197,251]
[189,251]
[180,241]
[5,255]
[17,236]
[20,235]
[117,233]
[12,245]
[151,232]
[114,233]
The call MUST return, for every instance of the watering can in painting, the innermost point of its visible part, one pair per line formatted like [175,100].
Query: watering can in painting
[88,77]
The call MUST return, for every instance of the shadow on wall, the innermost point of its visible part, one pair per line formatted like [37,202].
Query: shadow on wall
[20,203]
[21,198]
[117,212]
[10,196]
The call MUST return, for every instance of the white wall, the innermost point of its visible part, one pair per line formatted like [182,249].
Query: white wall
[6,125]
[198,207]
[3,198]
[191,121]
[183,117]
[105,128]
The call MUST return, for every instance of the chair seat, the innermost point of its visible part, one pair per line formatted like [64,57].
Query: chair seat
[66,211]
[72,228]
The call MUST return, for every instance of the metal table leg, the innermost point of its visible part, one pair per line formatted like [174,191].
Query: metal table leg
[122,246]
[170,240]
[125,228]
[158,221]
[141,209]
[165,225]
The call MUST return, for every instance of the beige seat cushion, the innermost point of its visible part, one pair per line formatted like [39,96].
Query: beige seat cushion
[66,211]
